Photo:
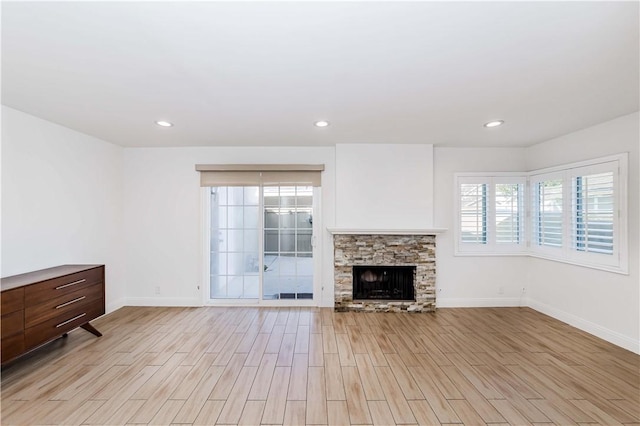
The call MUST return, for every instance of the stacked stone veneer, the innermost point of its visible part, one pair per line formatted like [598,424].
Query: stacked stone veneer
[385,250]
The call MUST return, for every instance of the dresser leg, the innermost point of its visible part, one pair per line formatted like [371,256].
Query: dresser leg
[91,329]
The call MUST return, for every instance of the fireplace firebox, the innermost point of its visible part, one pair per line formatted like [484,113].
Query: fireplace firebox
[383,282]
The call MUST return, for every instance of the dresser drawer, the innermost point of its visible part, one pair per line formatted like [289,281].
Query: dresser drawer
[57,287]
[63,304]
[59,325]
[12,323]
[12,347]
[11,300]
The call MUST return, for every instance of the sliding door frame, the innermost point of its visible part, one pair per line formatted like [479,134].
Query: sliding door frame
[205,258]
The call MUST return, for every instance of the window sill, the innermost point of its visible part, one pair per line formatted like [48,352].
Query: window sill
[489,254]
[615,270]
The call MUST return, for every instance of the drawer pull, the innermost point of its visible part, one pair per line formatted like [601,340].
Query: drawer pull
[70,284]
[70,302]
[70,320]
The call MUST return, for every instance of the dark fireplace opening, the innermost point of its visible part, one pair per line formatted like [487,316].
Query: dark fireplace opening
[383,282]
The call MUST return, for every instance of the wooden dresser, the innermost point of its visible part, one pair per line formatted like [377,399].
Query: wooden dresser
[41,306]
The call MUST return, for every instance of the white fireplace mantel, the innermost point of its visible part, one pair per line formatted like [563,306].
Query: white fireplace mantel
[358,231]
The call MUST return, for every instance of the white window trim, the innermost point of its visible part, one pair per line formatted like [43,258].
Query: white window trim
[617,263]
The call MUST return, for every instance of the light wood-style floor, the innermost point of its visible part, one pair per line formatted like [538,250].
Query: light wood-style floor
[313,366]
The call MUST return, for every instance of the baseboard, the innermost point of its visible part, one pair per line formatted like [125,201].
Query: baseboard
[162,301]
[114,306]
[588,326]
[480,302]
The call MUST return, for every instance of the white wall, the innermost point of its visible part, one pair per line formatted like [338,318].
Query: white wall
[163,230]
[603,303]
[466,281]
[61,200]
[384,186]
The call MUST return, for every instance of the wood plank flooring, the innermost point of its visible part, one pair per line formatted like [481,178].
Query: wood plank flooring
[294,366]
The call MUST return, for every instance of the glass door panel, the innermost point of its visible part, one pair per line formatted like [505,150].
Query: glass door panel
[235,249]
[288,256]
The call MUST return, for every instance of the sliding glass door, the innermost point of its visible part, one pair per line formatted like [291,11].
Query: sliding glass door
[261,243]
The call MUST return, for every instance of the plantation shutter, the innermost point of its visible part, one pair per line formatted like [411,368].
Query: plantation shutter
[593,210]
[473,213]
[508,212]
[548,211]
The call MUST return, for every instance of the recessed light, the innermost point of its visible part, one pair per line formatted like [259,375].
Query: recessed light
[495,123]
[164,123]
[321,123]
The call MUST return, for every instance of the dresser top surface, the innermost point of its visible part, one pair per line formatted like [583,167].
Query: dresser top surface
[34,277]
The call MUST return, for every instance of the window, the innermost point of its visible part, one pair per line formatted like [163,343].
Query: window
[490,214]
[548,206]
[473,213]
[577,213]
[593,213]
[509,209]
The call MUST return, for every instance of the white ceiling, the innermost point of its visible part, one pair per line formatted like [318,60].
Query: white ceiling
[260,73]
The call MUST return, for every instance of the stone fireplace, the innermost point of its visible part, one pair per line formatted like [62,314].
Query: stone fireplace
[373,258]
